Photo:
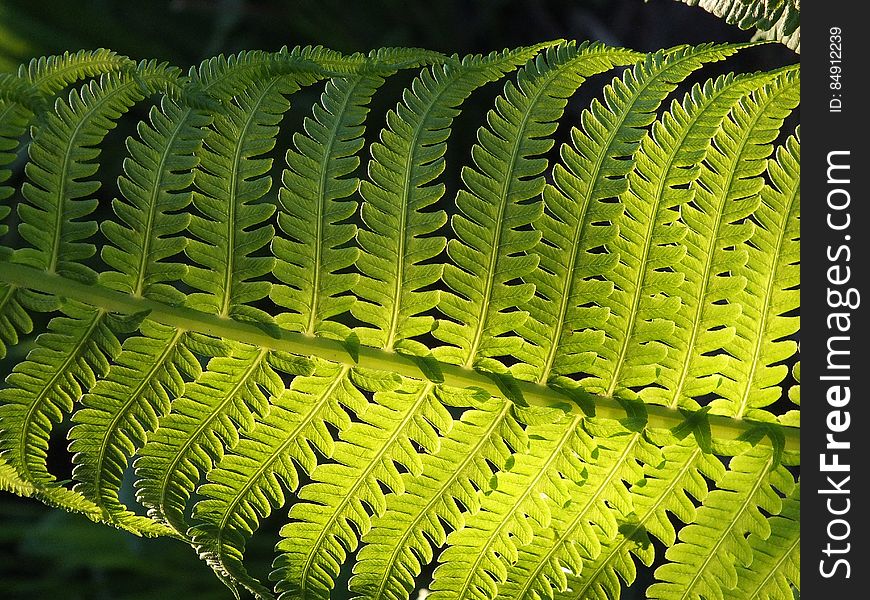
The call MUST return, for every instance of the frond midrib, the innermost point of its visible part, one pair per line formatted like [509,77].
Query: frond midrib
[722,427]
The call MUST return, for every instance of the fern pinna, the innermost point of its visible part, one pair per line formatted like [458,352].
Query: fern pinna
[520,386]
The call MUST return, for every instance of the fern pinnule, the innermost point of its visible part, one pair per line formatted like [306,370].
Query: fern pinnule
[316,201]
[150,227]
[793,417]
[10,481]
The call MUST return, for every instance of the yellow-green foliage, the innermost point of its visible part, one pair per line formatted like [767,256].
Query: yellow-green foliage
[523,380]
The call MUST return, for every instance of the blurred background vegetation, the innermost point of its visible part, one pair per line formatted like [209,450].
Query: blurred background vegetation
[47,554]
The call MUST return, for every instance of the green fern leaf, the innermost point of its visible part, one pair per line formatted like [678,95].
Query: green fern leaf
[10,481]
[399,385]
[292,431]
[315,541]
[74,352]
[776,559]
[665,487]
[495,207]
[611,344]
[43,77]
[443,493]
[398,192]
[774,19]
[190,439]
[703,564]
[772,269]
[315,208]
[544,478]
[725,193]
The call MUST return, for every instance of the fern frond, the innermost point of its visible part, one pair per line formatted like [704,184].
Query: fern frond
[516,396]
[539,481]
[725,193]
[491,245]
[664,488]
[316,203]
[247,483]
[399,224]
[10,481]
[612,339]
[74,128]
[401,539]
[703,564]
[39,397]
[41,390]
[774,19]
[772,270]
[206,419]
[776,559]
[334,506]
[231,180]
[123,406]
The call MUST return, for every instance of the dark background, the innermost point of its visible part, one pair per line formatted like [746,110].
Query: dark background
[50,554]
